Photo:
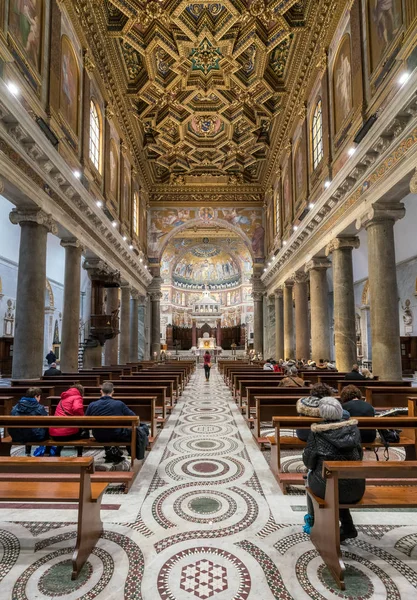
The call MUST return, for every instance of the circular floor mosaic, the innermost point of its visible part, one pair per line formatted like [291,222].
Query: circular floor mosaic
[204,573]
[210,469]
[205,506]
[207,446]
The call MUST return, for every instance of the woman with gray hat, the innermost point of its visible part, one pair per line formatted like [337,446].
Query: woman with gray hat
[333,439]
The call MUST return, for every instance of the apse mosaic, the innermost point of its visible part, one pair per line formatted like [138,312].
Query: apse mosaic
[219,268]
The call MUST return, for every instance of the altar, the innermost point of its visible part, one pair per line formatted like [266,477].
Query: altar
[206,343]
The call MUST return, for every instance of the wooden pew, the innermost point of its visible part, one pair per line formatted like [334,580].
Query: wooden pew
[267,407]
[60,384]
[6,405]
[16,392]
[387,397]
[256,390]
[364,384]
[408,440]
[126,477]
[236,378]
[325,533]
[145,407]
[169,382]
[15,487]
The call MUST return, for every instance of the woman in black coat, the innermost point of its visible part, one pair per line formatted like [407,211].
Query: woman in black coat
[333,439]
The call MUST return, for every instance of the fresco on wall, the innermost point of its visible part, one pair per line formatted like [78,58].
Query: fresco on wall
[385,19]
[164,221]
[25,25]
[286,194]
[342,83]
[68,102]
[114,170]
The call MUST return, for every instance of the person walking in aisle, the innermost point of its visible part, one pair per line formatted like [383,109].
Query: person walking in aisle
[207,364]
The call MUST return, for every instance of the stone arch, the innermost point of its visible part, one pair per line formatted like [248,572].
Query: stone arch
[50,295]
[197,223]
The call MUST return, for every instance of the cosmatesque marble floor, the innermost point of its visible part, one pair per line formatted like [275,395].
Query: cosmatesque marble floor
[204,519]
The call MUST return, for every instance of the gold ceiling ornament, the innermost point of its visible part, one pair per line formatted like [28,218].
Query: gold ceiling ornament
[153,12]
[302,111]
[288,147]
[322,61]
[109,112]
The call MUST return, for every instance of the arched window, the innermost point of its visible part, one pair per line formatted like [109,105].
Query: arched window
[317,135]
[136,213]
[95,136]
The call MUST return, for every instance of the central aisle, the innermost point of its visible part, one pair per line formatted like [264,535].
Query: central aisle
[204,519]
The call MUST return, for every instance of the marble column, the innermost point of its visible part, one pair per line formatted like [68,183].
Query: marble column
[30,294]
[71,307]
[134,326]
[124,337]
[344,301]
[258,314]
[319,306]
[383,292]
[289,349]
[155,296]
[142,327]
[279,325]
[111,347]
[302,329]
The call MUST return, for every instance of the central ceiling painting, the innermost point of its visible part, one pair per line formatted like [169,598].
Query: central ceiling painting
[206,80]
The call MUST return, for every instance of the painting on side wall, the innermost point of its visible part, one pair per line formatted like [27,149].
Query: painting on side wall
[342,83]
[25,25]
[114,169]
[299,171]
[384,19]
[68,102]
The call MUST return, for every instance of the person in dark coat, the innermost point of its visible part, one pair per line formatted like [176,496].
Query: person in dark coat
[354,374]
[51,357]
[52,370]
[29,406]
[352,401]
[309,407]
[333,439]
[107,406]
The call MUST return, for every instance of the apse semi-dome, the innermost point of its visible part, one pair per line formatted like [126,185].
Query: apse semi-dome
[206,264]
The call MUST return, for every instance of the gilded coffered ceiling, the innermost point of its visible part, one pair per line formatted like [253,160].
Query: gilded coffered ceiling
[206,83]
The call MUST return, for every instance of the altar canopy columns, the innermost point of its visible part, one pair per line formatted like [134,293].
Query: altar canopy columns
[385,328]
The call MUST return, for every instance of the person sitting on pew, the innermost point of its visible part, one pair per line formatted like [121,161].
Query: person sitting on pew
[354,374]
[333,439]
[276,367]
[70,405]
[309,407]
[29,406]
[107,406]
[322,364]
[268,366]
[52,370]
[291,379]
[367,374]
[352,401]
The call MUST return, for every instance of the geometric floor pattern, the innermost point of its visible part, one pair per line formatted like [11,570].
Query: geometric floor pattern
[204,519]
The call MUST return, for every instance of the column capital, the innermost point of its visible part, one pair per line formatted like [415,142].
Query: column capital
[33,215]
[380,212]
[289,283]
[343,243]
[278,293]
[317,263]
[258,296]
[97,269]
[300,277]
[134,294]
[154,289]
[72,243]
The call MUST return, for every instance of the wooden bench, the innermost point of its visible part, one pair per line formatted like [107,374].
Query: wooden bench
[408,440]
[16,392]
[14,486]
[325,534]
[387,397]
[237,379]
[171,382]
[253,391]
[364,384]
[132,423]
